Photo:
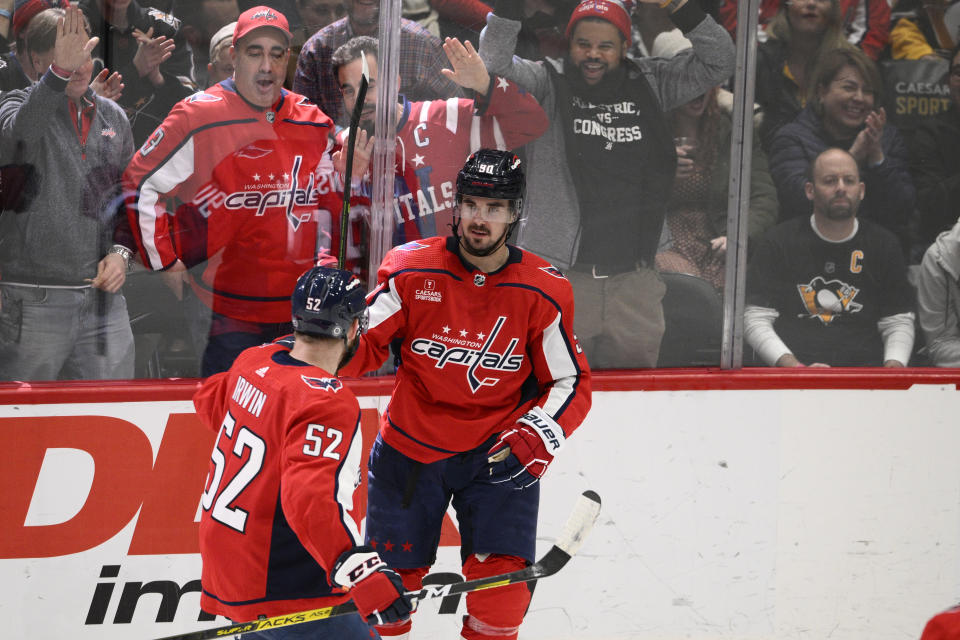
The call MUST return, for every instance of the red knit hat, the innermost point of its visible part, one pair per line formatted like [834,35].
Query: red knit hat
[615,12]
[25,10]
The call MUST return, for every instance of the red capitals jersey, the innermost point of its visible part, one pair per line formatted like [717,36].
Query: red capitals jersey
[943,626]
[473,346]
[434,139]
[278,507]
[248,191]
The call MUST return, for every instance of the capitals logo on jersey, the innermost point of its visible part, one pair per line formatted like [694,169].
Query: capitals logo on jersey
[286,192]
[413,245]
[827,299]
[200,96]
[447,348]
[323,384]
[553,271]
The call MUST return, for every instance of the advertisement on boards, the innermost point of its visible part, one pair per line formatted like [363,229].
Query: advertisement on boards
[742,513]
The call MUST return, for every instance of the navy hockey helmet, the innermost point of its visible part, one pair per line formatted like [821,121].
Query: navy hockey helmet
[491,173]
[326,301]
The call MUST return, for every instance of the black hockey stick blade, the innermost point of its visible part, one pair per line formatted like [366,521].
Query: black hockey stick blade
[572,536]
[348,173]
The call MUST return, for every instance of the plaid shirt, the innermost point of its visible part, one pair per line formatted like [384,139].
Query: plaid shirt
[421,59]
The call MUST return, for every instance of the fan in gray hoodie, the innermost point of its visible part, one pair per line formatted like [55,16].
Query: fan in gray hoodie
[63,257]
[938,298]
[599,179]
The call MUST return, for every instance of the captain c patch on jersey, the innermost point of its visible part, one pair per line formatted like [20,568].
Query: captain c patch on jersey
[827,299]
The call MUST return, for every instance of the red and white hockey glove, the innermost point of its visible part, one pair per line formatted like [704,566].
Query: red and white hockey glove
[376,589]
[521,454]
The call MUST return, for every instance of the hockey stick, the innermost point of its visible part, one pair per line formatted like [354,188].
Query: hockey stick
[348,172]
[574,532]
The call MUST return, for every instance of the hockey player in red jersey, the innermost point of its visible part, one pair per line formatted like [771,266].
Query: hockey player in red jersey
[943,626]
[280,526]
[434,137]
[491,383]
[238,180]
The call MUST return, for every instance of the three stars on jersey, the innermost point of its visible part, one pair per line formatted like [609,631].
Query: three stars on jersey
[472,355]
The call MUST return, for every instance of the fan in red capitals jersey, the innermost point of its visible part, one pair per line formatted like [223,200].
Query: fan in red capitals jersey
[492,382]
[238,180]
[434,137]
[279,532]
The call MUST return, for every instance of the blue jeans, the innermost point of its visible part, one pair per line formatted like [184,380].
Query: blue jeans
[64,334]
[349,627]
[229,337]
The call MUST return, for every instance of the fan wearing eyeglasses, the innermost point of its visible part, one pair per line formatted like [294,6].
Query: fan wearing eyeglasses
[843,111]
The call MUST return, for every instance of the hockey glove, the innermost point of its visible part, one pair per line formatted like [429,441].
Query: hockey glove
[521,455]
[376,589]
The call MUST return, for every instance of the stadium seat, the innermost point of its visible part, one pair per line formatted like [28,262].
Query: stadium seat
[693,314]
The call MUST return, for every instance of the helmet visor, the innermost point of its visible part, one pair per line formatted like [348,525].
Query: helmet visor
[489,209]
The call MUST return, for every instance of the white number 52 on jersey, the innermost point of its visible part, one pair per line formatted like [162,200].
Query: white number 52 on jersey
[320,440]
[315,443]
[233,517]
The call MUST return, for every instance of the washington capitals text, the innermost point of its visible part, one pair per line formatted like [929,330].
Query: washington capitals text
[473,358]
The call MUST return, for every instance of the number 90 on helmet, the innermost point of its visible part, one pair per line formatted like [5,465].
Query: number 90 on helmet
[326,301]
[491,173]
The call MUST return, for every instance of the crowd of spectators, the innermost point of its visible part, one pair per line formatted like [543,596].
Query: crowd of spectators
[140,239]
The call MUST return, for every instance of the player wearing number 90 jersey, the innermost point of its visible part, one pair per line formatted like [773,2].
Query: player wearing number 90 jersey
[281,516]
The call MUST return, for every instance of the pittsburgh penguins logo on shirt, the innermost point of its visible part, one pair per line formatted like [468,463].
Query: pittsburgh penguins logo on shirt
[827,299]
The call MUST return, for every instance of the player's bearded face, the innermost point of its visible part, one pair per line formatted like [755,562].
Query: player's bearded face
[352,345]
[484,223]
[260,66]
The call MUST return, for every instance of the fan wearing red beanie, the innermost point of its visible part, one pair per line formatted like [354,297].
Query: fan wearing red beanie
[26,61]
[613,11]
[599,179]
[24,10]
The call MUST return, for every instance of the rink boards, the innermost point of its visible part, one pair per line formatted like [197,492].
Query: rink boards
[734,506]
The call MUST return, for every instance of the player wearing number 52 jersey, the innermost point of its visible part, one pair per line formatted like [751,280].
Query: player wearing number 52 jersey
[491,383]
[280,529]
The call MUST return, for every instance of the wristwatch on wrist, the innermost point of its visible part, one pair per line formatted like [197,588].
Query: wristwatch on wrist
[123,252]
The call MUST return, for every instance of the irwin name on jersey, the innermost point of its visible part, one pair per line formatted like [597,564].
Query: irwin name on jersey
[473,358]
[248,396]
